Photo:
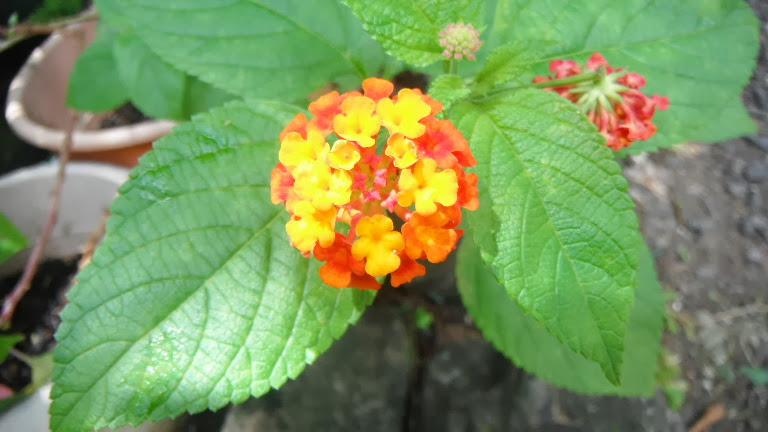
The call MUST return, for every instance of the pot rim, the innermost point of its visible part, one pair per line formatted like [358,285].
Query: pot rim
[111,173]
[76,222]
[82,141]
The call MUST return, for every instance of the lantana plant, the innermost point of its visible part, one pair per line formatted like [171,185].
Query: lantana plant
[252,236]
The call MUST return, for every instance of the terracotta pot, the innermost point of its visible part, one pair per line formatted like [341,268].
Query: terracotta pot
[36,108]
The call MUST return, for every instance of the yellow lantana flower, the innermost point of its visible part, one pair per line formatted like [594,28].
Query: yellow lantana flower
[344,155]
[357,121]
[426,186]
[323,187]
[402,150]
[379,243]
[309,226]
[295,149]
[404,115]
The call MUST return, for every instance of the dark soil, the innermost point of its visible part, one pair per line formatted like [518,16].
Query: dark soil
[410,79]
[125,115]
[37,316]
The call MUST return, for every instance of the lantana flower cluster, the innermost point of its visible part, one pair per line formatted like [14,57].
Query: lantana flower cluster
[613,101]
[374,183]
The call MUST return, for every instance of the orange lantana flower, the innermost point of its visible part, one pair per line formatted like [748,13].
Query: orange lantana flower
[369,210]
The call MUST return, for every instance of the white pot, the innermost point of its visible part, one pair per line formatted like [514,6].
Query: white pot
[88,190]
[25,197]
[31,415]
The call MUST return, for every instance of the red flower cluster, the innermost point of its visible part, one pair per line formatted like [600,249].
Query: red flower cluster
[364,161]
[612,101]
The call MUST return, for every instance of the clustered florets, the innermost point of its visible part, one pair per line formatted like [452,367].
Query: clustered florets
[460,41]
[348,199]
[612,101]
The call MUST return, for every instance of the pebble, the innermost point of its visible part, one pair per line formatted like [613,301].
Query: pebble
[705,272]
[737,166]
[756,172]
[754,255]
[754,226]
[759,141]
[760,97]
[754,199]
[736,188]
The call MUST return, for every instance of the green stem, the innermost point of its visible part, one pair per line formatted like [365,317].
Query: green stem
[574,80]
[578,79]
[454,69]
[446,66]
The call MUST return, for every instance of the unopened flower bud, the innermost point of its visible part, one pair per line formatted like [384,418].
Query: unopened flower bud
[460,41]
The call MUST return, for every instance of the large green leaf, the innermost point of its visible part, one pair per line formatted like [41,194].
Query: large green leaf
[281,49]
[700,53]
[95,84]
[157,88]
[51,10]
[555,221]
[532,348]
[509,64]
[196,298]
[11,239]
[119,67]
[448,89]
[409,29]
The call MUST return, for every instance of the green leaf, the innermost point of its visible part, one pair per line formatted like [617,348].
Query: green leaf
[95,84]
[6,343]
[555,221]
[196,298]
[530,346]
[11,239]
[448,89]
[424,318]
[281,49]
[509,63]
[699,53]
[669,378]
[53,9]
[158,89]
[759,377]
[409,29]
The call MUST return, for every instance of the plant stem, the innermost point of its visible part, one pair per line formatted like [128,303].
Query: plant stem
[578,79]
[454,67]
[585,77]
[20,32]
[25,282]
